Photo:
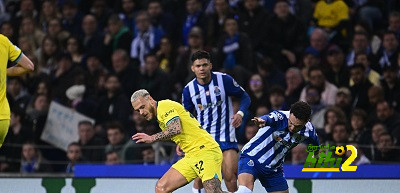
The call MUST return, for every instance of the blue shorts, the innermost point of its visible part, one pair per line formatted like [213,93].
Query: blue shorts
[228,145]
[271,180]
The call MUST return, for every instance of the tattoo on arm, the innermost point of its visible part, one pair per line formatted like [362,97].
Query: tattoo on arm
[213,185]
[174,128]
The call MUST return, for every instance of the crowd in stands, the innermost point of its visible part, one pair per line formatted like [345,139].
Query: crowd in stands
[340,56]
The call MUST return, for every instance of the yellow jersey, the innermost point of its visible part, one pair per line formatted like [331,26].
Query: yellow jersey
[193,137]
[330,14]
[8,52]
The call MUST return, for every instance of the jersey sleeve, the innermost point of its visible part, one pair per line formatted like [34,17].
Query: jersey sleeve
[313,138]
[274,119]
[232,88]
[186,100]
[168,114]
[14,53]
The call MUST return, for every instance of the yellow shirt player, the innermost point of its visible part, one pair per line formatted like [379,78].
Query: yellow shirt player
[203,157]
[9,52]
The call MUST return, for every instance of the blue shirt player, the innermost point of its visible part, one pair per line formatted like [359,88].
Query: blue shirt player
[262,157]
[210,95]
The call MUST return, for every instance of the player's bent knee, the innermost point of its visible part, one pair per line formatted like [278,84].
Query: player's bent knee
[243,189]
[161,187]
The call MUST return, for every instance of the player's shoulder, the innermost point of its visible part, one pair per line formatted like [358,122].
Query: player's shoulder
[3,39]
[279,115]
[189,83]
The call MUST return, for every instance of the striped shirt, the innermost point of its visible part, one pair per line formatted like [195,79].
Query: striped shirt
[213,104]
[273,142]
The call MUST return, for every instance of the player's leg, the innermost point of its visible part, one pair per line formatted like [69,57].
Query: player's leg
[246,183]
[274,181]
[229,169]
[198,186]
[4,124]
[208,168]
[213,186]
[170,181]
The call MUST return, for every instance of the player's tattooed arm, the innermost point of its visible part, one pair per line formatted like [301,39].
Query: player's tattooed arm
[174,127]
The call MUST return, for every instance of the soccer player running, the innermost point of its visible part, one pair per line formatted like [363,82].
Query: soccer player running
[262,157]
[210,95]
[9,52]
[203,157]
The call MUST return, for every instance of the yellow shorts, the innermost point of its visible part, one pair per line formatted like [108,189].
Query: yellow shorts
[205,164]
[4,124]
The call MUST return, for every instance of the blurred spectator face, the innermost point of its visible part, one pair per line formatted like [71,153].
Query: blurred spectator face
[27,26]
[7,30]
[360,43]
[250,5]
[261,110]
[317,78]
[299,154]
[74,153]
[93,64]
[310,60]
[49,46]
[112,84]
[41,103]
[340,134]
[276,99]
[363,59]
[312,96]
[331,118]
[69,12]
[318,40]
[139,120]
[394,23]
[114,27]
[28,152]
[14,119]
[385,143]
[148,155]
[357,75]
[54,27]
[151,64]
[86,133]
[142,22]
[27,6]
[195,41]
[42,88]
[357,123]
[25,45]
[250,132]
[389,76]
[256,83]
[221,6]
[48,8]
[231,27]
[375,94]
[72,45]
[98,7]
[154,9]
[128,6]
[281,9]
[377,129]
[115,136]
[383,111]
[192,6]
[14,87]
[119,61]
[112,159]
[342,100]
[390,42]
[293,78]
[89,25]
[165,45]
[65,64]
[335,59]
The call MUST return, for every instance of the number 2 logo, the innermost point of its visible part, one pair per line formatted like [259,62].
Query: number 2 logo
[199,166]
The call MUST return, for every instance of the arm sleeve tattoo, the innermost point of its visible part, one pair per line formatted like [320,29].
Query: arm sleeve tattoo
[174,128]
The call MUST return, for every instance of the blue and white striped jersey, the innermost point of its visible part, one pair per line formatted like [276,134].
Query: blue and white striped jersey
[213,104]
[273,142]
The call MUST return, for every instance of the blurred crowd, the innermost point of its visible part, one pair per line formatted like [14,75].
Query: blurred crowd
[340,56]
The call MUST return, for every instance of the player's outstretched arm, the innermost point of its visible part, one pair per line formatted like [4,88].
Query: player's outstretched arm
[23,66]
[173,128]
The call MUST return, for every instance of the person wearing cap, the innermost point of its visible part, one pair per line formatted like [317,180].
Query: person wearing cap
[22,65]
[337,73]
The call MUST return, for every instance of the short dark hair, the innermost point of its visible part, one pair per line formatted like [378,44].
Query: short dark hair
[276,90]
[314,68]
[74,144]
[301,110]
[115,125]
[200,55]
[85,122]
[357,66]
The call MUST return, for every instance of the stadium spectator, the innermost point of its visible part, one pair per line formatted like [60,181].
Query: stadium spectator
[313,98]
[118,36]
[360,45]
[332,116]
[358,124]
[17,94]
[386,151]
[112,158]
[92,146]
[337,73]
[340,134]
[361,159]
[269,71]
[55,30]
[299,154]
[319,41]
[194,17]
[294,85]
[386,114]
[391,86]
[343,100]
[311,57]
[29,29]
[154,79]
[71,17]
[359,90]
[162,20]
[216,20]
[128,73]
[372,75]
[277,99]
[32,160]
[258,93]
[92,38]
[394,23]
[388,55]
[167,55]
[74,155]
[127,14]
[75,49]
[148,155]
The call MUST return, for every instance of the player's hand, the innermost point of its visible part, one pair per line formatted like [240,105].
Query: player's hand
[143,138]
[179,151]
[236,120]
[259,122]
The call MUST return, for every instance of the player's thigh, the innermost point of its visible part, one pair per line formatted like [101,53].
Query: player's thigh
[274,182]
[208,164]
[171,181]
[4,125]
[246,179]
[247,172]
[230,162]
[184,167]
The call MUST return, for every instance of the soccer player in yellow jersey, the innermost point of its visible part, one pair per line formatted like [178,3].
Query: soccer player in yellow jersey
[9,52]
[203,157]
